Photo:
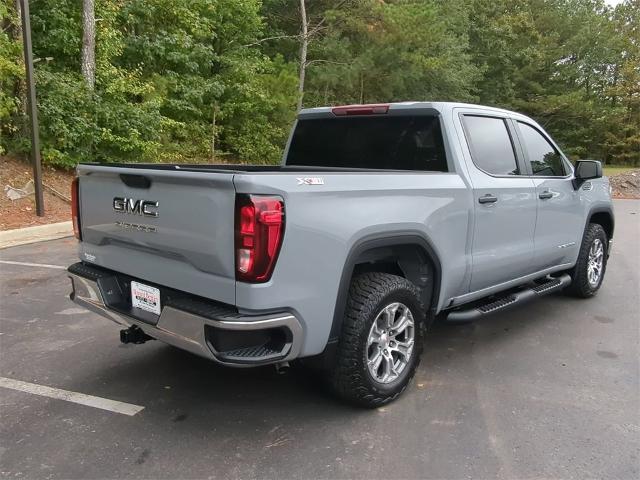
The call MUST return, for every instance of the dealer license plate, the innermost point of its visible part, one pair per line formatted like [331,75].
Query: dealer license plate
[145,297]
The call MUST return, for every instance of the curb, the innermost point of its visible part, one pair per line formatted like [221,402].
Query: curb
[39,233]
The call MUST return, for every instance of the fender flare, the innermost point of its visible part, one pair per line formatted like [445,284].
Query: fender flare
[601,209]
[372,242]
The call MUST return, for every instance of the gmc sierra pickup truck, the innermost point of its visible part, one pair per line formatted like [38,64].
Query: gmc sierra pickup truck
[379,218]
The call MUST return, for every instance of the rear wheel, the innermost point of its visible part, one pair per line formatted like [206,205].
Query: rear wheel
[589,271]
[381,341]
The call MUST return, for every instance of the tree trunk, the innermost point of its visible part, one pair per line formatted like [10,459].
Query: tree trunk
[304,44]
[88,58]
[19,90]
[17,30]
[213,133]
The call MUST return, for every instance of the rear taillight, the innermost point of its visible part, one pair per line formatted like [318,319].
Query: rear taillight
[75,208]
[259,232]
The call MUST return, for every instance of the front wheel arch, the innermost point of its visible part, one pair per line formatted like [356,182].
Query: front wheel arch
[603,216]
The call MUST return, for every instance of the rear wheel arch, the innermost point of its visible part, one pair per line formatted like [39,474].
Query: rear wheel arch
[408,255]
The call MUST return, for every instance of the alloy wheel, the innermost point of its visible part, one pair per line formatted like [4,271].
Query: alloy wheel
[390,342]
[595,262]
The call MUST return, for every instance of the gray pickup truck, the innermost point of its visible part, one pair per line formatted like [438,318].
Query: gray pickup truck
[379,218]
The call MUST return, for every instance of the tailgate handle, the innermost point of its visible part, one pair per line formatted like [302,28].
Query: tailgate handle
[135,181]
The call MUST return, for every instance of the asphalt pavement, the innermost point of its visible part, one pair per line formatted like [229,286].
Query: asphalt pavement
[547,390]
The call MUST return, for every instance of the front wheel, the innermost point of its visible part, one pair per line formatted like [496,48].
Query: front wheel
[381,342]
[589,271]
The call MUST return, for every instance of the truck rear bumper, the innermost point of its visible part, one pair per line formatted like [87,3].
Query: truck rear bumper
[220,334]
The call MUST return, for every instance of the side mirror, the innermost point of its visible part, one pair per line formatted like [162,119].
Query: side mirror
[586,170]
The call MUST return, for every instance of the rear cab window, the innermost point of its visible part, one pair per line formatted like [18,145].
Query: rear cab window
[490,145]
[393,142]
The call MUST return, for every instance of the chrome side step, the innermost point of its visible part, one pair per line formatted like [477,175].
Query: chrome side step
[508,301]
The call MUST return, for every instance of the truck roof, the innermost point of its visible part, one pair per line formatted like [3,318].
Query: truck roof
[396,106]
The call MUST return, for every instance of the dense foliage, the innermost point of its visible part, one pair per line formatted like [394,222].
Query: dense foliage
[187,80]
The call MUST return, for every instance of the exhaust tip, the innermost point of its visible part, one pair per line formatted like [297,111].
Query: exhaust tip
[282,368]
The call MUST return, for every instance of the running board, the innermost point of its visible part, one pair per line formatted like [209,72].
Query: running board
[471,314]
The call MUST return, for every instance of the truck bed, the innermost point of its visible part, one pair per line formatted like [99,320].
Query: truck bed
[237,168]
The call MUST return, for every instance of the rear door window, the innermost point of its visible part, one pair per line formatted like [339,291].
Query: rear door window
[411,142]
[545,160]
[490,144]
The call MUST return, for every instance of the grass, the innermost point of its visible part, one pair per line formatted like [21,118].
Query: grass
[615,169]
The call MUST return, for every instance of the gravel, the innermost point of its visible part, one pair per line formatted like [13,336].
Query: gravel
[626,185]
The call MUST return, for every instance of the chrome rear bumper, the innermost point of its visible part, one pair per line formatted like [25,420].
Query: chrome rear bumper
[187,330]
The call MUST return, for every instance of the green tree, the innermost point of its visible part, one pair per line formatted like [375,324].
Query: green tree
[164,69]
[622,140]
[390,51]
[11,73]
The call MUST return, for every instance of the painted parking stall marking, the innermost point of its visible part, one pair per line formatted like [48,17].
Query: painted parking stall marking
[74,397]
[28,264]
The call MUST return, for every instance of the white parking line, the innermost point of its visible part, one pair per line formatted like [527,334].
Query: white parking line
[80,398]
[27,264]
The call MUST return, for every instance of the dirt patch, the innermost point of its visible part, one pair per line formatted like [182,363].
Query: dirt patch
[22,212]
[626,185]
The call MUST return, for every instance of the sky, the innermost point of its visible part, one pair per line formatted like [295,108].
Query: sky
[613,3]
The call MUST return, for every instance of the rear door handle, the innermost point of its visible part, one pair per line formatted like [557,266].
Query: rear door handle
[545,195]
[488,198]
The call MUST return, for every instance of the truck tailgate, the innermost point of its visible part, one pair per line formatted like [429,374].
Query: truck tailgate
[186,242]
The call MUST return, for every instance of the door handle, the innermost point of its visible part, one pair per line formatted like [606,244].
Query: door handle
[488,198]
[545,195]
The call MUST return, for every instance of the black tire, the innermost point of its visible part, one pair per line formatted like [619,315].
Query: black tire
[580,285]
[369,294]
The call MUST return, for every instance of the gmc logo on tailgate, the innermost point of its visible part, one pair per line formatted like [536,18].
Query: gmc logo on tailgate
[145,208]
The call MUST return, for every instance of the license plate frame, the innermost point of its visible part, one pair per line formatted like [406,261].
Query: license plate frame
[146,298]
